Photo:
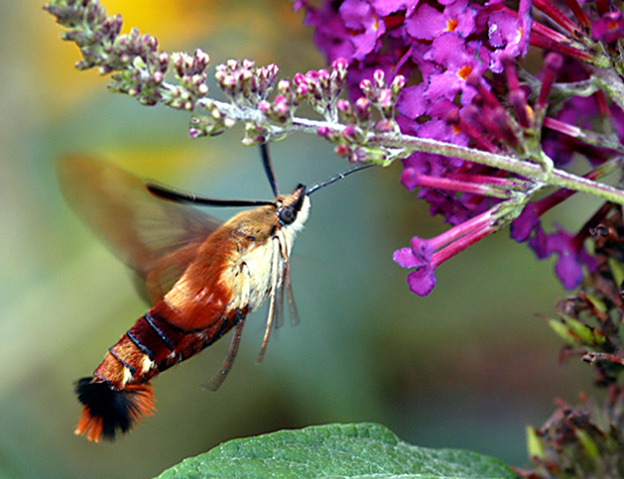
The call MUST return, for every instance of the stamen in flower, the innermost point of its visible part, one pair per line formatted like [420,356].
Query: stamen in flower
[464,72]
[451,25]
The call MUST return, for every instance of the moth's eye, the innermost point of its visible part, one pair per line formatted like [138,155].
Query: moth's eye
[287,215]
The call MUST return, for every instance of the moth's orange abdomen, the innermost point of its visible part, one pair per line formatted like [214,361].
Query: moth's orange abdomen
[119,394]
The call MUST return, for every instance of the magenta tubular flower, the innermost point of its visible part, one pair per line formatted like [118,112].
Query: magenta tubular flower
[427,255]
[461,59]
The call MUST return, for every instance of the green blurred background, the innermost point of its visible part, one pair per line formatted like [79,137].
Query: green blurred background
[469,366]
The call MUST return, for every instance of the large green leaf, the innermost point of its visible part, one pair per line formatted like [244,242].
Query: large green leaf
[335,451]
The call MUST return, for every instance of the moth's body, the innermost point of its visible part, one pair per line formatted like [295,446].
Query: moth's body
[233,274]
[200,286]
[234,267]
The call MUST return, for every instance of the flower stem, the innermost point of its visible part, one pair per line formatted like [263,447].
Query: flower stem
[610,82]
[524,168]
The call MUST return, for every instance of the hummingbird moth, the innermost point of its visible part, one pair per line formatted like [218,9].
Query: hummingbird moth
[201,277]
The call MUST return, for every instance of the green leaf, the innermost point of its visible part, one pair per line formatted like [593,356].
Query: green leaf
[563,332]
[335,451]
[535,446]
[618,271]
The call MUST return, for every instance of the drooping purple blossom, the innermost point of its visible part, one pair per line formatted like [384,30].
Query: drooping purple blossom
[425,256]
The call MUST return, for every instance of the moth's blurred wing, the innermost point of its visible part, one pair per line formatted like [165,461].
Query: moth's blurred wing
[157,238]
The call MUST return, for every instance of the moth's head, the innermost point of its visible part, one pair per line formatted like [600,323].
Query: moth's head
[287,213]
[292,210]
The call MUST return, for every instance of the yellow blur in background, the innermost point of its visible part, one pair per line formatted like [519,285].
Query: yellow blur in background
[466,367]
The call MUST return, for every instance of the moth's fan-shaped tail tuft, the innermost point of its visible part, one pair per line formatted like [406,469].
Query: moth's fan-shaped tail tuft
[106,410]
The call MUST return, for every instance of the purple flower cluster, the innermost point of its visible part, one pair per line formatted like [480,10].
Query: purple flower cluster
[465,86]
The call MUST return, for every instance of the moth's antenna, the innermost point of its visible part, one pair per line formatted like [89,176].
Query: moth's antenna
[179,196]
[339,176]
[268,167]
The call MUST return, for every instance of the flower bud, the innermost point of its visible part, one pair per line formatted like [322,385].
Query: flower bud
[380,79]
[342,150]
[323,131]
[397,85]
[362,109]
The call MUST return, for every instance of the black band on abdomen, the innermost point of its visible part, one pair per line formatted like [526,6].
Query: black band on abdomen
[144,349]
[123,363]
[158,331]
